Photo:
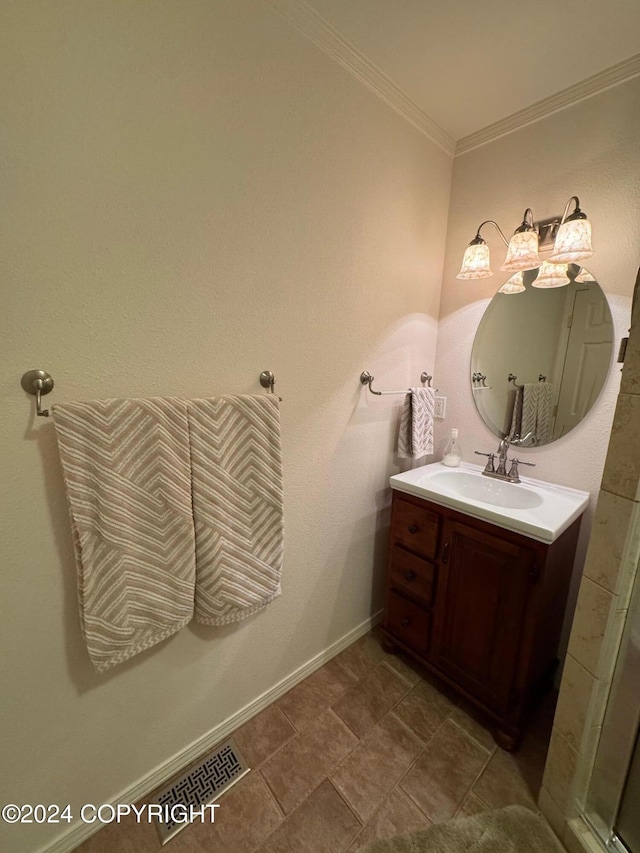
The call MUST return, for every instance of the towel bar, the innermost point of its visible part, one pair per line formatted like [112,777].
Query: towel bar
[39,382]
[367,379]
[512,378]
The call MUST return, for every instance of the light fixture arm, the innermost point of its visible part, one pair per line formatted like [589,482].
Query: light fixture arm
[577,213]
[527,222]
[478,238]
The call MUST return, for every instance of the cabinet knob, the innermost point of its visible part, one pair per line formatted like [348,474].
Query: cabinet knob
[405,622]
[413,528]
[410,575]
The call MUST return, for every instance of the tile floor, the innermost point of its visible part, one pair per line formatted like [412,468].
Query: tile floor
[365,748]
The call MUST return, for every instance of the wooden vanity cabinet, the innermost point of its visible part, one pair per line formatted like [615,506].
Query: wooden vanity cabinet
[479,606]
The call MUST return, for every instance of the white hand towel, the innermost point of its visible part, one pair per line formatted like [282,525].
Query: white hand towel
[415,438]
[237,505]
[127,476]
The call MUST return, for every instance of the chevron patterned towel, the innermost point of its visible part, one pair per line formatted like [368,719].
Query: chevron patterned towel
[532,413]
[126,472]
[544,415]
[415,438]
[237,505]
[530,401]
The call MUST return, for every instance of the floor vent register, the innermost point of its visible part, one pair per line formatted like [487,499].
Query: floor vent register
[202,784]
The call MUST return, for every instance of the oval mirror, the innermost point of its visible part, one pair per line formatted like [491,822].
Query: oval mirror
[540,358]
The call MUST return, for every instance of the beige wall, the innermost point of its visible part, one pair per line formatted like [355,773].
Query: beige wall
[590,150]
[195,193]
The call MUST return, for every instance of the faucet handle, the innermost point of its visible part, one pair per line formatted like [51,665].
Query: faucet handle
[489,468]
[520,462]
[514,475]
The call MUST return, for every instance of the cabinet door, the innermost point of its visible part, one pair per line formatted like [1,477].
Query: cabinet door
[480,609]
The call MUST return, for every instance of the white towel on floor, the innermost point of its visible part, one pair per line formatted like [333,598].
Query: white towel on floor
[237,505]
[415,438]
[127,475]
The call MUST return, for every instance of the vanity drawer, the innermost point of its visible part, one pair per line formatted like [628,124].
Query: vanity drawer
[411,574]
[408,622]
[414,526]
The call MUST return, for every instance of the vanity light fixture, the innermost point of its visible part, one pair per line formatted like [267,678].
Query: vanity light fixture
[514,285]
[573,240]
[572,235]
[476,261]
[522,252]
[551,275]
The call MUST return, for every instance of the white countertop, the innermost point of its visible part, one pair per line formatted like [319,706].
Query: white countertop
[543,510]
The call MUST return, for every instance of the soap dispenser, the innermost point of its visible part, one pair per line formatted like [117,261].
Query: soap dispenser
[451,455]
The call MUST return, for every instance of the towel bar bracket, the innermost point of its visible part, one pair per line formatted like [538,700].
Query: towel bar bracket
[268,380]
[38,382]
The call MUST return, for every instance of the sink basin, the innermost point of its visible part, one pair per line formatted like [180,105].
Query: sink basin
[539,510]
[465,484]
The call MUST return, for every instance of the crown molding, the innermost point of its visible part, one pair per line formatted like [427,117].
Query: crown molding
[302,16]
[606,79]
[318,30]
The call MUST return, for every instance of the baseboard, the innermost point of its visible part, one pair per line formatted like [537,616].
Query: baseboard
[81,831]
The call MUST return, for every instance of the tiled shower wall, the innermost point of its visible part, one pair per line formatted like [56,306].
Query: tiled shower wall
[601,611]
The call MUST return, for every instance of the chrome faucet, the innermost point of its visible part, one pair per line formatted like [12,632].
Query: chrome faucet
[503,449]
[500,473]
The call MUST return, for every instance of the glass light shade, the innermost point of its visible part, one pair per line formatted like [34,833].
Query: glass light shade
[584,277]
[514,285]
[551,275]
[522,253]
[573,242]
[475,263]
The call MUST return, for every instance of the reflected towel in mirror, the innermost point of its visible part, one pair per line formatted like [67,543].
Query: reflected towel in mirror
[532,412]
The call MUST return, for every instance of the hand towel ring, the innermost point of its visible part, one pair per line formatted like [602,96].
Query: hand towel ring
[367,379]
